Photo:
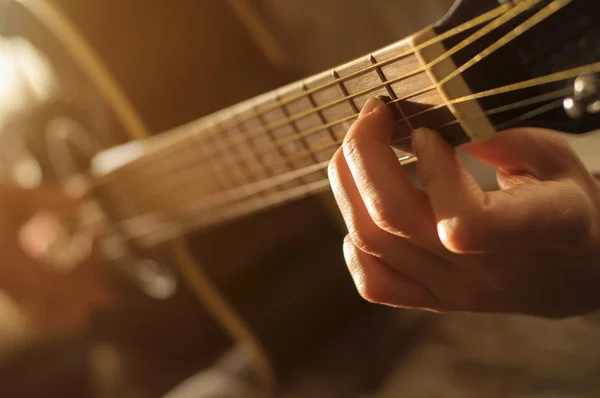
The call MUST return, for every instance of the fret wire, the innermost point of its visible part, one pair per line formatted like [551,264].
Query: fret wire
[320,114]
[251,189]
[254,150]
[567,74]
[213,164]
[216,160]
[239,160]
[486,17]
[253,204]
[504,108]
[297,134]
[272,139]
[345,95]
[323,165]
[389,90]
[221,163]
[559,76]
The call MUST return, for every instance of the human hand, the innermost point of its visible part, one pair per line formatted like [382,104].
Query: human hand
[531,247]
[54,300]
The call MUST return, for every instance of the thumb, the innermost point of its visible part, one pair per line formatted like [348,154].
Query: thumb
[543,154]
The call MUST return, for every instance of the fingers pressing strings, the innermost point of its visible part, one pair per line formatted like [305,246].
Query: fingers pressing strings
[410,248]
[472,221]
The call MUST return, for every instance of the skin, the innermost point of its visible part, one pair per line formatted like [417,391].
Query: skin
[55,301]
[531,247]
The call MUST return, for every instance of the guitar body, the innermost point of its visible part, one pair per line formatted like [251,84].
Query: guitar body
[289,284]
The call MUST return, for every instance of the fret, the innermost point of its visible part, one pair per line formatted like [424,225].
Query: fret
[251,120]
[319,113]
[220,157]
[275,155]
[389,90]
[269,134]
[403,129]
[344,91]
[298,126]
[248,151]
[405,87]
[220,182]
[327,141]
[242,168]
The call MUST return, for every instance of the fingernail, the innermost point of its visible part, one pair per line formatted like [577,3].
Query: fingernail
[445,228]
[372,104]
[419,138]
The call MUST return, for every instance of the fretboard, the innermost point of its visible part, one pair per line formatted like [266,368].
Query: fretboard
[276,147]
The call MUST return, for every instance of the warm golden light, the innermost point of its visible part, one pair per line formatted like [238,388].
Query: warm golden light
[25,76]
[26,79]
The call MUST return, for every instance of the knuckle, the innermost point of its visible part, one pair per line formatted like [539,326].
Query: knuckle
[576,219]
[467,235]
[365,240]
[381,214]
[369,283]
[370,290]
[561,152]
[388,217]
[351,147]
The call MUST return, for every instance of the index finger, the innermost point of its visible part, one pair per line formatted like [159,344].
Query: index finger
[392,200]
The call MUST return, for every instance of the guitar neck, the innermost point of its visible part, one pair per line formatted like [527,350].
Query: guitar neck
[276,147]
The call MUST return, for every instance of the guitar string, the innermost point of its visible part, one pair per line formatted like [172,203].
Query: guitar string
[540,16]
[276,144]
[507,16]
[490,15]
[234,210]
[175,180]
[246,208]
[214,129]
[254,188]
[558,2]
[567,74]
[559,76]
[537,18]
[239,209]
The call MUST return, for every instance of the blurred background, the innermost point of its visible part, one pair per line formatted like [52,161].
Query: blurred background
[283,270]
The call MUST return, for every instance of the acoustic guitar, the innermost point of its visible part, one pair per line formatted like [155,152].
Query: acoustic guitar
[486,66]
